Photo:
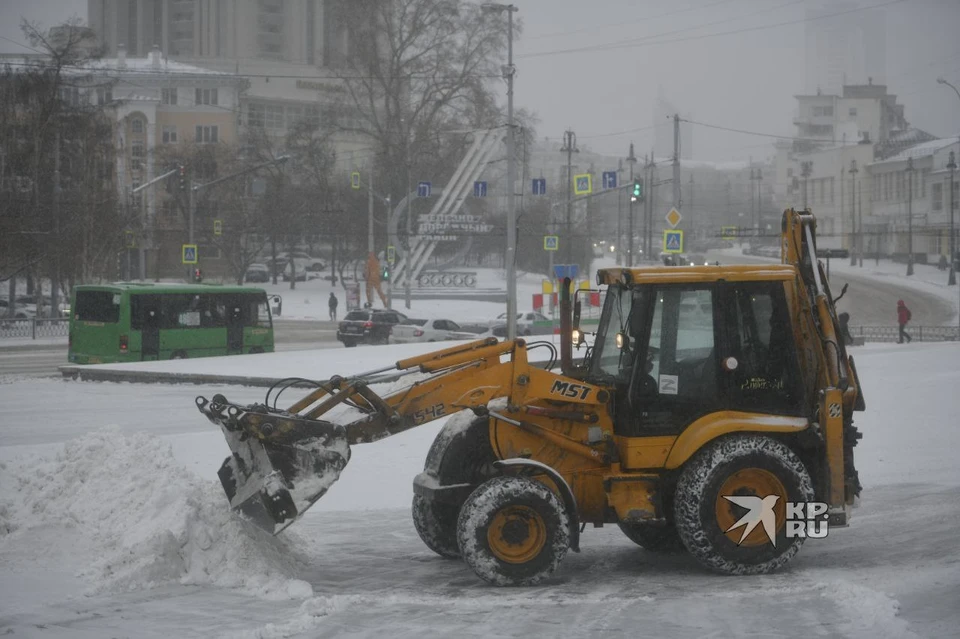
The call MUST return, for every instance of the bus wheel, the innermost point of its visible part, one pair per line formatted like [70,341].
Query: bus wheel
[255,350]
[179,355]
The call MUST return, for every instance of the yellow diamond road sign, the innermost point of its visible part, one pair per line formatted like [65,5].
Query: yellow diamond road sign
[673,218]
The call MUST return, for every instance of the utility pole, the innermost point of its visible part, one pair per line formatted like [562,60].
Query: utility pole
[631,160]
[853,212]
[677,197]
[620,211]
[909,216]
[860,219]
[952,278]
[693,220]
[806,168]
[55,284]
[371,246]
[569,147]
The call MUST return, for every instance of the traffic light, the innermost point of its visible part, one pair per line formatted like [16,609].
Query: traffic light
[197,276]
[637,194]
[385,273]
[183,178]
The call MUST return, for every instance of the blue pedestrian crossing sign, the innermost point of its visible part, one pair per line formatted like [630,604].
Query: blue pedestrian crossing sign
[561,271]
[188,253]
[539,186]
[582,184]
[423,189]
[609,179]
[551,242]
[673,241]
[479,189]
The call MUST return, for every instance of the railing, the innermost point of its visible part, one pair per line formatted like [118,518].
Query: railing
[33,328]
[918,333]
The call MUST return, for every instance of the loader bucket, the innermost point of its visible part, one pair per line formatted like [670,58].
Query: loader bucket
[280,464]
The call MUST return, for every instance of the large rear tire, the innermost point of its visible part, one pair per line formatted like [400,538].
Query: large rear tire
[663,539]
[739,465]
[436,523]
[513,531]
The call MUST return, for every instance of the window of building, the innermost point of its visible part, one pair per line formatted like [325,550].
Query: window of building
[273,117]
[923,182]
[168,96]
[169,133]
[831,189]
[70,95]
[104,95]
[136,157]
[136,126]
[255,115]
[936,196]
[312,115]
[135,197]
[853,112]
[207,134]
[206,96]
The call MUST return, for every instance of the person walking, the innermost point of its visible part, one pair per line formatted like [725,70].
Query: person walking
[903,316]
[332,303]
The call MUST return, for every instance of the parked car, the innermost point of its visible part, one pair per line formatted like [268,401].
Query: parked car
[525,324]
[368,326]
[19,311]
[257,273]
[305,269]
[428,330]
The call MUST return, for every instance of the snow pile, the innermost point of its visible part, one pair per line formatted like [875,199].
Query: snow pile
[148,520]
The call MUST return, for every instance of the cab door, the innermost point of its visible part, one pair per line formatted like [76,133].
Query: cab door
[674,376]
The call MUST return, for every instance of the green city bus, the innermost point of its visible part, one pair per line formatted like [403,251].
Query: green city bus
[133,321]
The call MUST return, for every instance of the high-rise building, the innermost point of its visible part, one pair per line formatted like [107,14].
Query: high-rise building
[297,31]
[845,45]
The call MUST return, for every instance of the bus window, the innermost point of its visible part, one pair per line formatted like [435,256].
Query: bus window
[97,306]
[255,311]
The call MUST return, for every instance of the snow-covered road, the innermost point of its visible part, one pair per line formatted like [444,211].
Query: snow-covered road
[125,533]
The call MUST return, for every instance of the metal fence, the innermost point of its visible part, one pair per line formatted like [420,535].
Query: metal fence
[918,333]
[33,328]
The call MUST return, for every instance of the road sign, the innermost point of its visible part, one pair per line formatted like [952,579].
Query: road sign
[561,271]
[479,189]
[391,254]
[423,189]
[673,218]
[728,232]
[673,241]
[582,184]
[355,180]
[188,253]
[551,242]
[539,186]
[609,179]
[131,239]
[218,227]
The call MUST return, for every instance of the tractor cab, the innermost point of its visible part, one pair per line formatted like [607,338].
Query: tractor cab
[677,346]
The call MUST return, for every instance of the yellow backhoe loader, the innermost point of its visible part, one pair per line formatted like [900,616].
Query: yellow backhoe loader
[712,414]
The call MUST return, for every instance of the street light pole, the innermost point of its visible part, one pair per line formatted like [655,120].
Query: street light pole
[631,159]
[511,254]
[853,212]
[805,169]
[952,279]
[909,217]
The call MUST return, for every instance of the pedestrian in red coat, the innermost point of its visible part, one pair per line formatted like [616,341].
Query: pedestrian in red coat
[903,316]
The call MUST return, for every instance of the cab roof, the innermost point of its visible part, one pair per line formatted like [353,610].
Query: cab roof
[693,274]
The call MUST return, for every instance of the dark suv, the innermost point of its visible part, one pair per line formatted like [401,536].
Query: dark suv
[368,326]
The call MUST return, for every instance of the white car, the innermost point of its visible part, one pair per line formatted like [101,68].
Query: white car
[525,324]
[427,330]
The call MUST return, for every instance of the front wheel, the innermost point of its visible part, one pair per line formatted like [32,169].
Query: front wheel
[727,485]
[513,531]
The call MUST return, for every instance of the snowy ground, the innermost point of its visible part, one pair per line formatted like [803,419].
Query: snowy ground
[112,524]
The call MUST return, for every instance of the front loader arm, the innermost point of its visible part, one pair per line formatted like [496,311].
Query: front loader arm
[283,460]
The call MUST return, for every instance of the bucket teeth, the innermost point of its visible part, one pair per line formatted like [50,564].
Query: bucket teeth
[280,464]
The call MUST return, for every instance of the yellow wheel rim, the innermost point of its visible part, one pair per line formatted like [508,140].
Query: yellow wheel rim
[517,534]
[755,482]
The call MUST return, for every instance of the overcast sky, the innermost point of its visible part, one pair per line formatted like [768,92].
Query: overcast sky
[744,80]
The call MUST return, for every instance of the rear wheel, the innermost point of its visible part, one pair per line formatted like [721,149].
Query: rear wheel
[663,539]
[513,531]
[436,523]
[349,343]
[741,466]
[179,355]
